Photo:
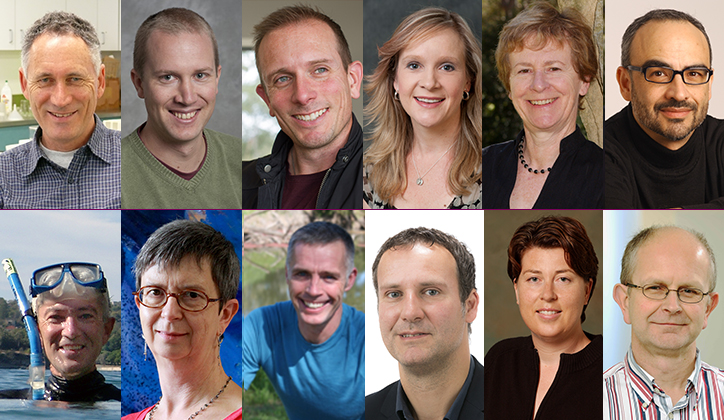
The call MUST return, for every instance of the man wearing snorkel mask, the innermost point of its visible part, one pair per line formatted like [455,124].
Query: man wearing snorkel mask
[72,307]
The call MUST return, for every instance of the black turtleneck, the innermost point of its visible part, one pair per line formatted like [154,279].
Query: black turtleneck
[642,174]
[88,388]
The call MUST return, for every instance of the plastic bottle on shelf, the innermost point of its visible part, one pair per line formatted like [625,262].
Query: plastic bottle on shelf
[6,96]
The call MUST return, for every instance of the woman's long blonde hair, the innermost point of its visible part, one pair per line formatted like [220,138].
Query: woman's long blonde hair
[391,124]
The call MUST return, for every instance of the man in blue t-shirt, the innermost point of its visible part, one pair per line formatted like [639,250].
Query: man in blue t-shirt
[312,347]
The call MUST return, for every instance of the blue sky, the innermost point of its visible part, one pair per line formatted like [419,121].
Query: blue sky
[36,238]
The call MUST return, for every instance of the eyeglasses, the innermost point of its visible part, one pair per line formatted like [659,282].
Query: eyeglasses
[663,75]
[659,292]
[190,300]
[84,274]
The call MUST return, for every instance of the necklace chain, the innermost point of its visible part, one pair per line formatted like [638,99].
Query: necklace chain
[200,410]
[419,178]
[525,165]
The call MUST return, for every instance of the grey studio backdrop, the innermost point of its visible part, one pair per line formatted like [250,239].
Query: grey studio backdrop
[223,16]
[381,18]
[502,317]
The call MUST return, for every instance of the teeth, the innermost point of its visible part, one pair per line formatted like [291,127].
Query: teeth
[62,115]
[311,117]
[548,312]
[429,101]
[184,116]
[411,335]
[542,102]
[74,347]
[313,305]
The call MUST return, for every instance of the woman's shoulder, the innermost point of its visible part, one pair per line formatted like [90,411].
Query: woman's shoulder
[137,416]
[368,193]
[495,150]
[508,347]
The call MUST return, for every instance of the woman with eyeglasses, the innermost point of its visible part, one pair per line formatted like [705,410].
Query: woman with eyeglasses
[187,276]
[554,373]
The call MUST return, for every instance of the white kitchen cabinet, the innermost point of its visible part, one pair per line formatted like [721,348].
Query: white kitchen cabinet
[28,11]
[7,25]
[109,28]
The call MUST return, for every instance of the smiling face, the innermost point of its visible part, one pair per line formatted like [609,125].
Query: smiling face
[317,278]
[73,333]
[176,334]
[422,320]
[63,89]
[179,84]
[669,113]
[545,88]
[672,258]
[430,80]
[305,84]
[550,295]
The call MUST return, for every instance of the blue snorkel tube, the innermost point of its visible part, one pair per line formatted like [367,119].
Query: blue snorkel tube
[37,364]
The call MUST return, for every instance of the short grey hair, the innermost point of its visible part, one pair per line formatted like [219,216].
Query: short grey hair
[628,261]
[321,233]
[62,23]
[658,15]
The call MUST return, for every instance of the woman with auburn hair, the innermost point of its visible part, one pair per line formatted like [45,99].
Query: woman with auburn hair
[554,373]
[426,112]
[546,60]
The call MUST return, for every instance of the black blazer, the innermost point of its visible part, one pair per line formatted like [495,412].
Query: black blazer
[381,405]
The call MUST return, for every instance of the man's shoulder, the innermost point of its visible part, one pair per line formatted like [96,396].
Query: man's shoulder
[610,373]
[222,139]
[280,311]
[383,398]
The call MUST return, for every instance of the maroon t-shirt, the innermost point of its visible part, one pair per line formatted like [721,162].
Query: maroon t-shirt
[301,191]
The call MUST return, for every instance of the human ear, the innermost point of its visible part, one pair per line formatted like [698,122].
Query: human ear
[620,295]
[623,76]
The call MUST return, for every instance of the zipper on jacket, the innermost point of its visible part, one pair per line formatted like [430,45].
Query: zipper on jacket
[322,185]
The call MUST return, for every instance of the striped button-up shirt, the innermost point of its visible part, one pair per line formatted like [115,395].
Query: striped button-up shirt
[29,180]
[630,393]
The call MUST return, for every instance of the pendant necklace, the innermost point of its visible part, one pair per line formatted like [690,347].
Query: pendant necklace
[419,178]
[200,410]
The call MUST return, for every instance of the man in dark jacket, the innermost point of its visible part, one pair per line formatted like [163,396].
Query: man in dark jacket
[308,80]
[425,285]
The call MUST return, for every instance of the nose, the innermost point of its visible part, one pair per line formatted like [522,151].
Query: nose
[411,309]
[70,327]
[61,96]
[313,287]
[540,81]
[429,79]
[172,310]
[548,293]
[304,91]
[186,92]
[677,89]
[671,303]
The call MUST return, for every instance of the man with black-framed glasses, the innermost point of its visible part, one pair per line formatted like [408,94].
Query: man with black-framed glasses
[663,150]
[668,277]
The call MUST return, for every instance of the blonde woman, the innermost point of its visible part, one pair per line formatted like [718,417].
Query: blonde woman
[426,116]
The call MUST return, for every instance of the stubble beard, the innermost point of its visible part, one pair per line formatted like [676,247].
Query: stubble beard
[677,129]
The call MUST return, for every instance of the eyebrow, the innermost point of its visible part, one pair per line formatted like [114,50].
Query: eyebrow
[531,271]
[547,63]
[659,63]
[168,71]
[312,63]
[417,57]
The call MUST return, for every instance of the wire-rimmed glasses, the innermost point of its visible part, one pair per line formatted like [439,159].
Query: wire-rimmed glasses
[660,292]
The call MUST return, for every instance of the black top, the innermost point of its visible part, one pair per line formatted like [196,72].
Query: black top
[575,181]
[263,178]
[642,174]
[382,405]
[89,388]
[512,371]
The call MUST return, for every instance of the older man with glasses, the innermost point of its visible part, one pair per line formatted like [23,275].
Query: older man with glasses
[663,150]
[668,276]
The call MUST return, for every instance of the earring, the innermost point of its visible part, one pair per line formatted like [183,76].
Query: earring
[145,351]
[396,96]
[466,95]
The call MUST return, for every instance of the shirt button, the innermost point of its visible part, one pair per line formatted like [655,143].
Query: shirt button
[345,158]
[646,405]
[70,180]
[671,415]
[267,168]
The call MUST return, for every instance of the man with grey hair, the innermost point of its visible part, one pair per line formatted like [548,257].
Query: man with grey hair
[666,294]
[74,160]
[72,308]
[312,348]
[663,150]
[172,160]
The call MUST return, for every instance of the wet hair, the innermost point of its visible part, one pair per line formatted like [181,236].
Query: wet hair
[540,24]
[628,261]
[392,131]
[61,24]
[555,232]
[174,241]
[321,233]
[658,15]
[174,21]
[296,14]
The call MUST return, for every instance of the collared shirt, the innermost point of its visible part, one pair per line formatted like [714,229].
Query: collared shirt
[630,393]
[29,180]
[402,406]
